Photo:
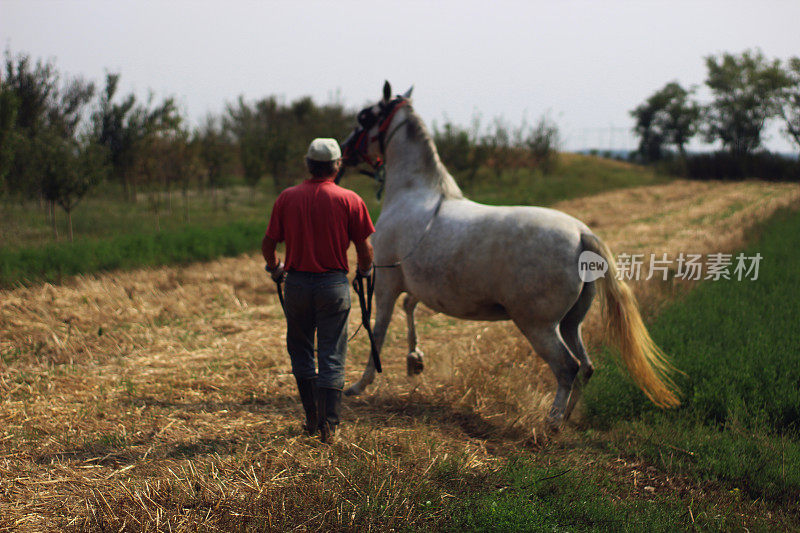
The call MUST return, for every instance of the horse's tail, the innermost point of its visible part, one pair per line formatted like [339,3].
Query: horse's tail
[646,363]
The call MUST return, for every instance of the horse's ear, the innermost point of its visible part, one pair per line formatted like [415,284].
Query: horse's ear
[387,91]
[407,94]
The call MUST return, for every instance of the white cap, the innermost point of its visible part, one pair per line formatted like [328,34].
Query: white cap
[322,149]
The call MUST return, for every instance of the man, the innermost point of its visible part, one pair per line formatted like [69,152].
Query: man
[318,219]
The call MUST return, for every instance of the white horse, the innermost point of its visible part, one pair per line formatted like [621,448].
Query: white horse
[480,262]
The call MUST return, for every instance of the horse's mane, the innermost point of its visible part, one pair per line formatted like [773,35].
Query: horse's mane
[432,165]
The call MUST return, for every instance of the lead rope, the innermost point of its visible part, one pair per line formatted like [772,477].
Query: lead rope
[366,312]
[279,285]
[366,302]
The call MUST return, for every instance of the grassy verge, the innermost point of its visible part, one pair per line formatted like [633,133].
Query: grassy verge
[105,214]
[51,262]
[575,175]
[736,341]
[530,497]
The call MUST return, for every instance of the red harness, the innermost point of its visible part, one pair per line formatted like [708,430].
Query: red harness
[362,141]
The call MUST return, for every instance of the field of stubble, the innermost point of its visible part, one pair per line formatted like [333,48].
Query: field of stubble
[162,400]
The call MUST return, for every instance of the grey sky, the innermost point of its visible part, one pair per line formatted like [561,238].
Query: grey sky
[587,63]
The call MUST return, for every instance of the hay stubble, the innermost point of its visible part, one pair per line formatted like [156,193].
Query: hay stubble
[163,398]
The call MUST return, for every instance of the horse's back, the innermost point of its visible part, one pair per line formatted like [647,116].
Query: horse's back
[480,261]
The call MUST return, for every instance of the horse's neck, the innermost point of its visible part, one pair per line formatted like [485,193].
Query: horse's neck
[413,164]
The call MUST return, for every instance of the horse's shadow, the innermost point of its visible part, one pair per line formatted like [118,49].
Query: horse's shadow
[402,411]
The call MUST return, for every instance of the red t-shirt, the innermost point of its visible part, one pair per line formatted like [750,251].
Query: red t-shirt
[318,219]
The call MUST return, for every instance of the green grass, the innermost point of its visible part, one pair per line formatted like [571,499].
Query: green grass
[529,497]
[737,343]
[52,262]
[114,234]
[574,176]
[105,214]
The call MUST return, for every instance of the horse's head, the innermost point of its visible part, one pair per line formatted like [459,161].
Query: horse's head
[367,142]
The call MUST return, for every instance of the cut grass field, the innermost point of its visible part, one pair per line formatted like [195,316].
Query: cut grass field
[161,399]
[112,234]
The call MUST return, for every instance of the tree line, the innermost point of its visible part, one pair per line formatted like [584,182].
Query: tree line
[497,146]
[748,91]
[60,136]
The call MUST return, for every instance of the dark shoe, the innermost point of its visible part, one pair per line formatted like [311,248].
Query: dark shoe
[308,395]
[329,405]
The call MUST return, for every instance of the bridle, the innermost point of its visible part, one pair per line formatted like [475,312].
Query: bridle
[355,148]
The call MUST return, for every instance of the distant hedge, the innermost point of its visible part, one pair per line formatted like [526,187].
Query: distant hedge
[726,166]
[54,261]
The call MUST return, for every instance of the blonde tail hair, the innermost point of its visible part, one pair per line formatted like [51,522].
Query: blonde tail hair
[647,364]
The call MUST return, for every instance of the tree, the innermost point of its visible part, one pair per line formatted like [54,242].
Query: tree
[667,117]
[745,90]
[789,101]
[215,150]
[123,127]
[249,129]
[186,167]
[461,149]
[272,137]
[40,115]
[498,143]
[8,134]
[542,142]
[71,168]
[454,146]
[34,87]
[152,157]
[30,89]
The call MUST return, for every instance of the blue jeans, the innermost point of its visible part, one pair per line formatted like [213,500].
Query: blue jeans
[317,303]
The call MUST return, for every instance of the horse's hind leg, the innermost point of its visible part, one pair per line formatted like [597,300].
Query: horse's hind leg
[414,361]
[548,345]
[570,329]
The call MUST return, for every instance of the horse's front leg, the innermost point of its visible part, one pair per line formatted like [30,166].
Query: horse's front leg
[385,296]
[414,362]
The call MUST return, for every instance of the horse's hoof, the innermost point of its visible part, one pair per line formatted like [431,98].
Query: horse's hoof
[414,363]
[553,425]
[352,391]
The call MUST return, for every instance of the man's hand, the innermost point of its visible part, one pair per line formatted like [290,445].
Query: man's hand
[278,274]
[365,273]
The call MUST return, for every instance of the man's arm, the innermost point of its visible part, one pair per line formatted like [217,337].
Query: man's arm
[268,250]
[365,255]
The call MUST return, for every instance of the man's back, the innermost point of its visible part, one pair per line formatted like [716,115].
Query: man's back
[318,219]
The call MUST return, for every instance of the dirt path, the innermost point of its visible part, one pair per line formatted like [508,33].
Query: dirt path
[123,379]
